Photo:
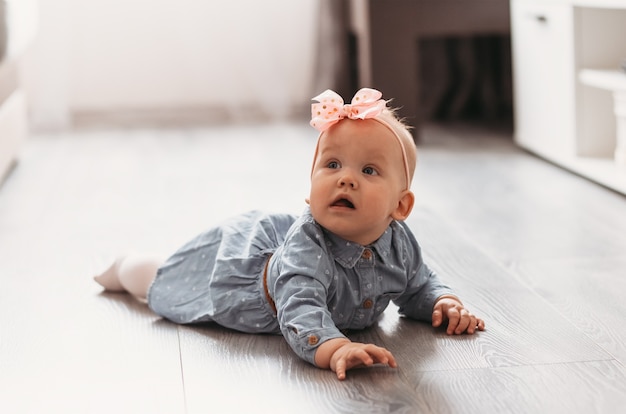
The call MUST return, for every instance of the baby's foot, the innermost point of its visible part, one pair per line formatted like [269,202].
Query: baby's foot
[109,279]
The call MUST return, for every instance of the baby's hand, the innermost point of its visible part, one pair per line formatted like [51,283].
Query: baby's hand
[449,308]
[354,354]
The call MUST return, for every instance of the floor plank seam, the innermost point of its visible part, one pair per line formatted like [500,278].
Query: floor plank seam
[182,369]
[505,367]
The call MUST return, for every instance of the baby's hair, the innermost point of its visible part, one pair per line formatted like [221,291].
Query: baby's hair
[403,130]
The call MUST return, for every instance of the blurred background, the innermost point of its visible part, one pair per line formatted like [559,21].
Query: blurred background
[153,59]
[69,64]
[143,61]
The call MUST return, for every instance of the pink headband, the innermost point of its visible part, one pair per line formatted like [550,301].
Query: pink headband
[366,104]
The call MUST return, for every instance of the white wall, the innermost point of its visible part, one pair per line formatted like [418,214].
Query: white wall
[21,24]
[125,55]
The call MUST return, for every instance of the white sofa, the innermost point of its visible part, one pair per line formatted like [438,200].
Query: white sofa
[13,114]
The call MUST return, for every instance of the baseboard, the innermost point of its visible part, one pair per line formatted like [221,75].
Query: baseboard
[177,117]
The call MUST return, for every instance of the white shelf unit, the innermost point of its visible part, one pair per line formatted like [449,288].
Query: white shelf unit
[611,80]
[559,115]
[615,82]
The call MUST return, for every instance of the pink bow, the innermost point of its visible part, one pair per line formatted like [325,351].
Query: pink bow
[331,109]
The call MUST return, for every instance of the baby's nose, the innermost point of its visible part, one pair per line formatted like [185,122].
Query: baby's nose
[347,180]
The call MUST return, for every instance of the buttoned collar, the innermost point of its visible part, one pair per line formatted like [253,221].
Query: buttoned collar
[348,253]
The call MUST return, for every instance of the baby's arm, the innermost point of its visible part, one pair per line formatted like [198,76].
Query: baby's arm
[449,308]
[340,355]
[427,298]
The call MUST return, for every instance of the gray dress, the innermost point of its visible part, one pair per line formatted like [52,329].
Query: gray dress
[217,276]
[320,283]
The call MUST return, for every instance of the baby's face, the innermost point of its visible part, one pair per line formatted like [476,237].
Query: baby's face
[357,181]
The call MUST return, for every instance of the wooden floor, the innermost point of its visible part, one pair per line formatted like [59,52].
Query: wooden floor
[538,252]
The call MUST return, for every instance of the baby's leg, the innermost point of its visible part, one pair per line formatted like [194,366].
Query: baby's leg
[132,274]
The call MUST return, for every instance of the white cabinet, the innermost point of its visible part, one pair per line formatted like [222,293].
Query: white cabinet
[544,81]
[557,115]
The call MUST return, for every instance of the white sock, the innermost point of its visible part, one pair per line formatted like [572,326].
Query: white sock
[109,279]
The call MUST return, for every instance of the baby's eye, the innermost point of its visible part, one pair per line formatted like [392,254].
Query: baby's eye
[333,165]
[370,171]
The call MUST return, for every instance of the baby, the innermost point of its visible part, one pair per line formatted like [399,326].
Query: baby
[335,267]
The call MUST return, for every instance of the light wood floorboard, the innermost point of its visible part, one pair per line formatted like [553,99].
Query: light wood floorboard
[589,292]
[538,252]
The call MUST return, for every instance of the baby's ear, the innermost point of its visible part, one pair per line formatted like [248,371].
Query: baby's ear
[404,207]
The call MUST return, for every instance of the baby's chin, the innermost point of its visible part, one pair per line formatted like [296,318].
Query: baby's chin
[351,235]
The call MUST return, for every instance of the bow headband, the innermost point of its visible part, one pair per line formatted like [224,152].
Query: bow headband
[366,104]
[331,109]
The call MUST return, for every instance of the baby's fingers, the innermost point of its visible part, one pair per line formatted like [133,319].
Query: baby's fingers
[480,324]
[473,324]
[454,317]
[382,356]
[365,356]
[437,317]
[465,322]
[350,360]
[340,369]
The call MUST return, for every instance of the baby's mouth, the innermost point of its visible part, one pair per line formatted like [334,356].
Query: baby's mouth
[343,202]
